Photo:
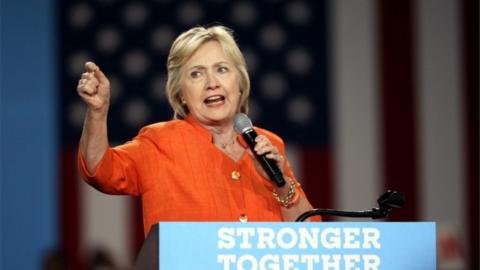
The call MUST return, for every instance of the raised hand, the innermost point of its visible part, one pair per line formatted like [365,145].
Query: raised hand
[94,88]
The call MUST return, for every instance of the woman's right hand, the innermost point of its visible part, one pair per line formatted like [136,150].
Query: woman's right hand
[94,88]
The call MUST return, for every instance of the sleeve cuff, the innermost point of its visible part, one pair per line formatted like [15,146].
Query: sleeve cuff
[103,169]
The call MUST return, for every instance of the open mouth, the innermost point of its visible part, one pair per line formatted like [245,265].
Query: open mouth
[214,100]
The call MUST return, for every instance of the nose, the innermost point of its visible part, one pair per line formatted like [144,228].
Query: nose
[212,81]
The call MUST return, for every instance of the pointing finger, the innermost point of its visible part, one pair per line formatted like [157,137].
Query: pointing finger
[90,66]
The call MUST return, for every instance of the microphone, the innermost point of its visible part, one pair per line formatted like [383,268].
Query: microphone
[243,125]
[387,201]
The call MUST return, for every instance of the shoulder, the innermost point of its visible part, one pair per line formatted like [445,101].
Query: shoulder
[163,129]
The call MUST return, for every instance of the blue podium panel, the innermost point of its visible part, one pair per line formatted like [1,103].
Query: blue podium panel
[297,246]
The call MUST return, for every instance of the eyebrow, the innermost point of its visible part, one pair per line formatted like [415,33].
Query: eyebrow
[215,64]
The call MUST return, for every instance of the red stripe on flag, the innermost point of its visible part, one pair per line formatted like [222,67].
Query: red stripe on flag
[397,89]
[317,176]
[70,207]
[469,14]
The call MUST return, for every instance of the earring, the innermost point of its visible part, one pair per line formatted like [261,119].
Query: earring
[184,102]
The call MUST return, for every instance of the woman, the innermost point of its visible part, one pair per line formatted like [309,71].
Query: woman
[195,167]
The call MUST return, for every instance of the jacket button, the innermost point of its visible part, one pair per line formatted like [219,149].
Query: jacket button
[235,175]
[243,218]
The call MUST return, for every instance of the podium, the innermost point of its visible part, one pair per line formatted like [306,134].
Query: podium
[289,245]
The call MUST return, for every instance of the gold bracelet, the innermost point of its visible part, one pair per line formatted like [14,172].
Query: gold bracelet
[290,199]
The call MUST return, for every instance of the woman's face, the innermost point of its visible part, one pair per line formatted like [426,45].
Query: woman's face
[210,85]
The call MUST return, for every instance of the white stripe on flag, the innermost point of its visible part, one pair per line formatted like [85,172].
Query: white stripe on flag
[440,124]
[105,224]
[440,112]
[355,104]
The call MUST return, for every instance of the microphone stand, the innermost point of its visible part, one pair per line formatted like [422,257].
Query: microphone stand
[388,201]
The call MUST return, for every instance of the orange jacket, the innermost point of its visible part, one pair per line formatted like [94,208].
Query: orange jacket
[181,176]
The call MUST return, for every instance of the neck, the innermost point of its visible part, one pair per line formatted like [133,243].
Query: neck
[223,132]
[222,135]
[219,128]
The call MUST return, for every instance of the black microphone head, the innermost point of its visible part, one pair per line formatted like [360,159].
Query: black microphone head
[391,199]
[241,122]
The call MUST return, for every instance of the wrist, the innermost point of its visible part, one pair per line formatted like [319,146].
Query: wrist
[282,191]
[97,114]
[288,195]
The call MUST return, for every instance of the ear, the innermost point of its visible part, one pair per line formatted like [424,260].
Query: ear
[182,99]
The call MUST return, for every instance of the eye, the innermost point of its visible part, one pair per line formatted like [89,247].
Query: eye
[222,69]
[195,74]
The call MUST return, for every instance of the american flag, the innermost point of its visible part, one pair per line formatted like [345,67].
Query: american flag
[368,95]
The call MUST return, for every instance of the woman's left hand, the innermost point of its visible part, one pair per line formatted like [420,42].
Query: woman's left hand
[265,146]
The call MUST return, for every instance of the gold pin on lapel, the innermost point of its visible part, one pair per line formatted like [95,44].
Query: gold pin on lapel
[235,175]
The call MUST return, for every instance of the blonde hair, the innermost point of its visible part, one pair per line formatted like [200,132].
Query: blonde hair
[185,46]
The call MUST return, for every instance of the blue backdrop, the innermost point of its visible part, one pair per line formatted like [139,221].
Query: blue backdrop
[28,133]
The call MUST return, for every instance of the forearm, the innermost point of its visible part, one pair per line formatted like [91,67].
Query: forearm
[94,140]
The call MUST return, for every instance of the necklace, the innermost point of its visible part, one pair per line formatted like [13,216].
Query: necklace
[224,145]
